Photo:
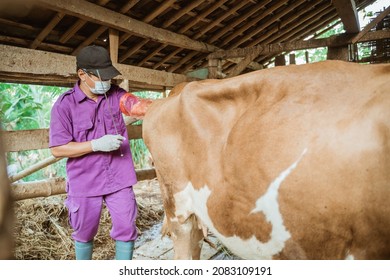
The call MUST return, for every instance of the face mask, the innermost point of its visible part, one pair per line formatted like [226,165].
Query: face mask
[101,87]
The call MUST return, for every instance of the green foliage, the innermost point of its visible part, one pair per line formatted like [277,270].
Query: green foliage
[28,107]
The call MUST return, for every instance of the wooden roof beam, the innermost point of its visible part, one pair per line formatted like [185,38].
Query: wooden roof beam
[208,11]
[237,21]
[272,20]
[369,26]
[187,26]
[308,30]
[24,61]
[346,9]
[77,25]
[102,29]
[333,41]
[100,15]
[178,15]
[182,12]
[161,8]
[219,20]
[251,23]
[45,31]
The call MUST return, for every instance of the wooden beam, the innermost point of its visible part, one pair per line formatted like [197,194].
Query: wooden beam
[201,16]
[218,20]
[253,22]
[333,41]
[56,186]
[24,61]
[231,26]
[100,30]
[159,10]
[243,64]
[45,31]
[91,12]
[33,168]
[182,12]
[369,26]
[7,217]
[114,45]
[15,141]
[77,25]
[42,188]
[346,9]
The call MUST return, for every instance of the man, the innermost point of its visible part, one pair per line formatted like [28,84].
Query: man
[87,127]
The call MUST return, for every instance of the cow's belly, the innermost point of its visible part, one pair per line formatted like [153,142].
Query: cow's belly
[192,200]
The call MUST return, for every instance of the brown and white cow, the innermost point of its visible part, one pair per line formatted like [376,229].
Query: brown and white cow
[284,163]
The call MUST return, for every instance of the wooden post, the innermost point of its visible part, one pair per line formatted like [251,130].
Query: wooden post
[280,60]
[307,57]
[292,58]
[114,44]
[6,213]
[213,69]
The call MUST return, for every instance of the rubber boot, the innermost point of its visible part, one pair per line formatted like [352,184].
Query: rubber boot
[124,250]
[83,250]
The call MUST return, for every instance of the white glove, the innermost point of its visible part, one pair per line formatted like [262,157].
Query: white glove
[107,143]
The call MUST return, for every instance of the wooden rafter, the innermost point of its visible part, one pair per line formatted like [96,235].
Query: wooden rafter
[108,18]
[267,24]
[333,41]
[162,7]
[23,62]
[182,12]
[102,29]
[45,31]
[369,26]
[219,20]
[346,9]
[251,23]
[78,25]
[231,26]
[201,16]
[178,14]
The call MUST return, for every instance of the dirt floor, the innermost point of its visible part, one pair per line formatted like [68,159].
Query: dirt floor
[42,231]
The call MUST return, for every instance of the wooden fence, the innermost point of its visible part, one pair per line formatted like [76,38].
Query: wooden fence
[15,141]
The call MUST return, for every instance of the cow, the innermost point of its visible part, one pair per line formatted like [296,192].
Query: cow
[289,162]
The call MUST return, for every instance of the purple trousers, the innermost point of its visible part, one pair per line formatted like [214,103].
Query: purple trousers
[85,212]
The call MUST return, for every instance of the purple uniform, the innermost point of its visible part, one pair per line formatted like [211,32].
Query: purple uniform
[76,118]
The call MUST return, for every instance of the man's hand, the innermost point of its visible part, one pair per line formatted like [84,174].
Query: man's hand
[107,143]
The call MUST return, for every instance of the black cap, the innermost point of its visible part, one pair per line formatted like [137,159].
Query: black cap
[93,58]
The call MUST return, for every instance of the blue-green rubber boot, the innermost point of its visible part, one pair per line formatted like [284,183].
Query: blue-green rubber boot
[83,250]
[124,250]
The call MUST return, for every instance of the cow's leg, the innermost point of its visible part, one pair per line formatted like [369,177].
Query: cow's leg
[187,237]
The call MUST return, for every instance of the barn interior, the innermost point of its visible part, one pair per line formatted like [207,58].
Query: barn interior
[157,44]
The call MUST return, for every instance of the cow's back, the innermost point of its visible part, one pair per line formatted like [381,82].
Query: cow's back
[292,162]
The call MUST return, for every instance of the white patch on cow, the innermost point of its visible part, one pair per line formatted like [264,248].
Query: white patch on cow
[190,201]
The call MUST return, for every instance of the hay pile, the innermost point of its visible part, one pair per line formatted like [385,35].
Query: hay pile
[42,231]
